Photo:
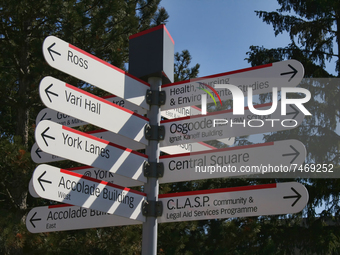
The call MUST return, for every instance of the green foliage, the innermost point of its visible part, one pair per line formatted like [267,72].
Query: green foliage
[182,70]
[313,27]
[101,27]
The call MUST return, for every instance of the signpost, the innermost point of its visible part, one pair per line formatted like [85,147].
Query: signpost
[69,217]
[268,199]
[91,192]
[64,186]
[89,150]
[261,79]
[84,66]
[70,100]
[217,125]
[272,159]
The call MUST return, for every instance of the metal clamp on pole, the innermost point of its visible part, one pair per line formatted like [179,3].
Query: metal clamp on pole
[152,208]
[155,97]
[154,132]
[153,169]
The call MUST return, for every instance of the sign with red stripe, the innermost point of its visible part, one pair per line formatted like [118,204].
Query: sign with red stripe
[275,159]
[69,187]
[80,104]
[86,149]
[261,79]
[67,120]
[64,217]
[82,65]
[223,124]
[269,199]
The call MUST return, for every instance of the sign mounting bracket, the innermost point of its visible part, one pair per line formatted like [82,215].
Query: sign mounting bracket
[154,132]
[153,169]
[155,97]
[152,208]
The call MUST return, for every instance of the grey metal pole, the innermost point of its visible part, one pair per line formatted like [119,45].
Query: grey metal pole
[151,188]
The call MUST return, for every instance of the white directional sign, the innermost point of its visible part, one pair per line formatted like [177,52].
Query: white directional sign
[67,120]
[269,199]
[98,174]
[82,65]
[64,186]
[39,156]
[69,217]
[288,197]
[261,79]
[70,100]
[222,124]
[274,158]
[80,147]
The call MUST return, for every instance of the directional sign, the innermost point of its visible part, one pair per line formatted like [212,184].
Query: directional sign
[222,124]
[70,100]
[80,147]
[269,199]
[82,65]
[275,158]
[64,186]
[67,120]
[69,217]
[260,78]
[39,156]
[190,111]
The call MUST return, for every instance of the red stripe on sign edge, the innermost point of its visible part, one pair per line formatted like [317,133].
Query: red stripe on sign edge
[104,141]
[60,206]
[105,101]
[102,182]
[213,113]
[107,64]
[152,30]
[218,75]
[212,191]
[218,150]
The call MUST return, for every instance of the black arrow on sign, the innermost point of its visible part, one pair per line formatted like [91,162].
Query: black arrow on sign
[43,135]
[52,51]
[31,220]
[50,92]
[296,112]
[40,180]
[294,72]
[298,196]
[42,118]
[296,154]
[37,151]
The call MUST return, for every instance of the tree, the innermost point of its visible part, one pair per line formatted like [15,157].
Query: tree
[101,27]
[313,27]
[182,71]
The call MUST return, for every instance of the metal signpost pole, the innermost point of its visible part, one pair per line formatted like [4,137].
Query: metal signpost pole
[150,226]
[151,58]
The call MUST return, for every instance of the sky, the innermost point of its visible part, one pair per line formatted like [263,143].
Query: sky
[218,33]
